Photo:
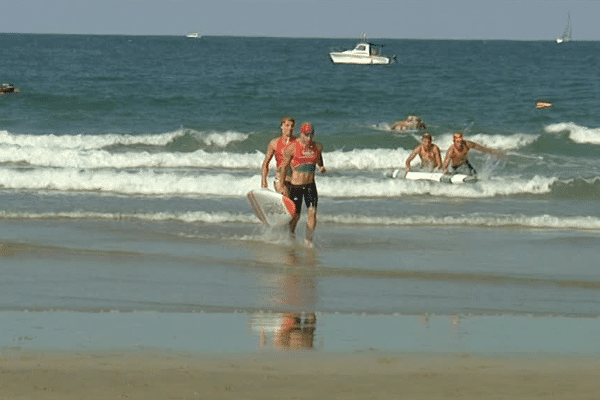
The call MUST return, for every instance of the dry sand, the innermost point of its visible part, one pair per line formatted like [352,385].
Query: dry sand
[290,375]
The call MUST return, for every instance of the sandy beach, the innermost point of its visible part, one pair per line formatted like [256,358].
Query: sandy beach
[132,265]
[273,375]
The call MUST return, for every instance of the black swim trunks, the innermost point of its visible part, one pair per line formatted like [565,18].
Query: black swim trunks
[308,192]
[471,170]
[286,184]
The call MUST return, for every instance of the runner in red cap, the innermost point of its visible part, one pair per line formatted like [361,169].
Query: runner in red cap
[303,155]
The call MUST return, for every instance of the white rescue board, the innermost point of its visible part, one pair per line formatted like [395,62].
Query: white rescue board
[431,176]
[270,207]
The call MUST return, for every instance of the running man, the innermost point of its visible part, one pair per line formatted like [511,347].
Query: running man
[429,153]
[456,156]
[303,155]
[276,147]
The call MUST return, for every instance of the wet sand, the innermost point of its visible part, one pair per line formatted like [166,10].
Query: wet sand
[277,375]
[136,324]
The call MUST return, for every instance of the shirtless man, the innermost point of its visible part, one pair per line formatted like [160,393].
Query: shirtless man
[411,122]
[428,152]
[303,156]
[276,147]
[456,156]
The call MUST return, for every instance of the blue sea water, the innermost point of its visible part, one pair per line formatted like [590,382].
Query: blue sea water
[125,161]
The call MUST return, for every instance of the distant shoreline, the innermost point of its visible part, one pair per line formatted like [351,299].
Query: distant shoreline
[183,35]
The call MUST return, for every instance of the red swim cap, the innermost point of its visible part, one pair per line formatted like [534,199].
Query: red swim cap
[306,128]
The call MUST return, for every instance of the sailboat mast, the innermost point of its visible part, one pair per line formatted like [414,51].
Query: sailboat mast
[566,36]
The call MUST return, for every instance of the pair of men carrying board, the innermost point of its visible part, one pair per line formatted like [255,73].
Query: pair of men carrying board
[296,159]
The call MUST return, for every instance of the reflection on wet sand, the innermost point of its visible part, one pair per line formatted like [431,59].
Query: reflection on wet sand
[292,331]
[289,296]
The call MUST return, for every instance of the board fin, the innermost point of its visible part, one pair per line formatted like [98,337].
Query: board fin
[289,204]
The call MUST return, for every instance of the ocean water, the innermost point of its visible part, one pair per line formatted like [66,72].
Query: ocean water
[125,161]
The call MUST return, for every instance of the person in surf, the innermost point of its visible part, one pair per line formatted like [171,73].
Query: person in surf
[411,123]
[429,153]
[543,104]
[275,149]
[303,155]
[456,156]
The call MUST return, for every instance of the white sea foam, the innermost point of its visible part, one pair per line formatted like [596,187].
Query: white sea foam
[189,217]
[98,158]
[89,142]
[83,151]
[137,182]
[148,182]
[525,221]
[85,141]
[365,187]
[497,142]
[473,220]
[364,160]
[219,139]
[578,134]
[75,158]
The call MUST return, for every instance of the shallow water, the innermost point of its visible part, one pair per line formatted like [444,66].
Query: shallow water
[216,333]
[144,266]
[123,180]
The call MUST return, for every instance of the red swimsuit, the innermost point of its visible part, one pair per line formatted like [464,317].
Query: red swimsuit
[305,158]
[282,143]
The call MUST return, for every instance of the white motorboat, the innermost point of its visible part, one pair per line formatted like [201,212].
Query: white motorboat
[364,53]
[566,36]
[8,88]
[193,35]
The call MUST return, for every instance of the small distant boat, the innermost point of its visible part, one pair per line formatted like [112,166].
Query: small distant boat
[193,35]
[566,36]
[364,53]
[8,88]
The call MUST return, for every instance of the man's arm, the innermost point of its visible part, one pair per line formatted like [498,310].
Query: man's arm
[448,158]
[320,160]
[437,156]
[483,149]
[265,164]
[288,153]
[411,157]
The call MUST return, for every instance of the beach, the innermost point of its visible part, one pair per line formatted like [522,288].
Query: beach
[98,315]
[366,375]
[216,355]
[132,264]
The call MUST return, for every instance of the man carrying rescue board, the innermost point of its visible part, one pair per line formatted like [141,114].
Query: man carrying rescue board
[276,147]
[303,156]
[456,156]
[428,152]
